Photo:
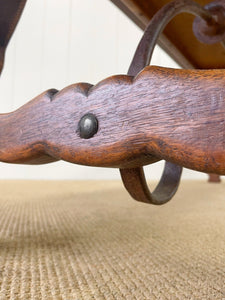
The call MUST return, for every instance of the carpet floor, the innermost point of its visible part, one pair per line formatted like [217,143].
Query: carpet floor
[89,240]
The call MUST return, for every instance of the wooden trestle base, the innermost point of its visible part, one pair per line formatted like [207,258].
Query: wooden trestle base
[128,121]
[214,178]
[178,38]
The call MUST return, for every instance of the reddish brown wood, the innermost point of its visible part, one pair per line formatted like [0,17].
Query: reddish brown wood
[178,39]
[213,178]
[34,141]
[176,115]
[209,25]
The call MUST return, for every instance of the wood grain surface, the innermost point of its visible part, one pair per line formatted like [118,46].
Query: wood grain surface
[176,115]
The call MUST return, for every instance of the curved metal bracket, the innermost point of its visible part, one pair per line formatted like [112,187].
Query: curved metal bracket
[116,122]
[135,183]
[134,178]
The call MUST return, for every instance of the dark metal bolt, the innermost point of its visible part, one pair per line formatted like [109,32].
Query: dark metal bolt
[88,126]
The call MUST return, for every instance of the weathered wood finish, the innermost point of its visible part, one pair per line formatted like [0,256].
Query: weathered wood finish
[176,115]
[209,30]
[214,178]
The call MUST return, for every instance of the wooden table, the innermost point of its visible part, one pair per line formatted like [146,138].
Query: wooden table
[178,39]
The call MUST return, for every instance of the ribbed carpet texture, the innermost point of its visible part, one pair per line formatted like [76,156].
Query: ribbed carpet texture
[89,240]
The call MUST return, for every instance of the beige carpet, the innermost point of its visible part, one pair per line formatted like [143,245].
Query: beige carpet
[90,240]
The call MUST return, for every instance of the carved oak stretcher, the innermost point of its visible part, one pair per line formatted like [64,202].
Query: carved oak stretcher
[128,121]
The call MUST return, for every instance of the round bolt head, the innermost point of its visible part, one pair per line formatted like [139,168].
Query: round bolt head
[88,126]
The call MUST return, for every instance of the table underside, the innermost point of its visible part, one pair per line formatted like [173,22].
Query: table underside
[178,39]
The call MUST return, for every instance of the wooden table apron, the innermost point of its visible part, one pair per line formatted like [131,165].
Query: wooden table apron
[177,115]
